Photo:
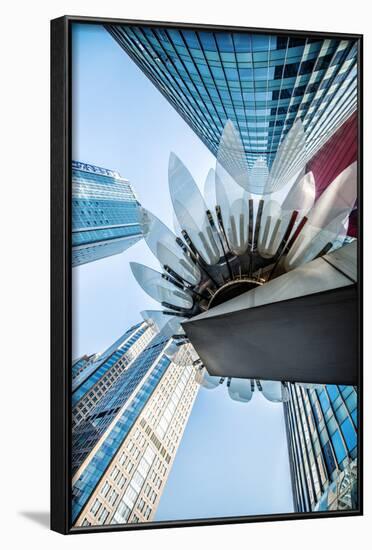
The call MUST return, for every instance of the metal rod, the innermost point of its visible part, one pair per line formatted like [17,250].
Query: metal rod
[211,221]
[181,286]
[174,313]
[258,224]
[199,262]
[190,244]
[222,227]
[185,250]
[250,223]
[324,250]
[172,281]
[283,245]
[288,232]
[296,233]
[186,313]
[176,276]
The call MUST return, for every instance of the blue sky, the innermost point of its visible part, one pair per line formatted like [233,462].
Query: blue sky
[233,457]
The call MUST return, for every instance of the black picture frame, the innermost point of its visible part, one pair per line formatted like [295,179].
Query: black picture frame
[61,298]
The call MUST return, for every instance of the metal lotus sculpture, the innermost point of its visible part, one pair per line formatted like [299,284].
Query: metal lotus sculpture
[253,224]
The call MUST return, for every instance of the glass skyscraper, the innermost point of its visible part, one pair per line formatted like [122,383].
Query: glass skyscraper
[322,430]
[102,370]
[130,408]
[261,83]
[104,213]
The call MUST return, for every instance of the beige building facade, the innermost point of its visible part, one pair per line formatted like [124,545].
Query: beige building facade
[131,488]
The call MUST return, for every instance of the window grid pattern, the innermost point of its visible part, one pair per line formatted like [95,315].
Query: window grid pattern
[86,435]
[80,365]
[110,421]
[102,379]
[322,432]
[260,82]
[132,485]
[99,358]
[124,353]
[105,217]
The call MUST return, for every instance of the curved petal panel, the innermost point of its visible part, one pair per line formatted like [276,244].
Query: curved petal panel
[158,288]
[337,199]
[175,353]
[239,224]
[341,237]
[289,159]
[301,196]
[233,201]
[155,318]
[231,159]
[206,380]
[272,391]
[313,242]
[158,321]
[176,226]
[272,229]
[240,389]
[210,193]
[259,175]
[190,209]
[162,243]
[171,351]
[182,266]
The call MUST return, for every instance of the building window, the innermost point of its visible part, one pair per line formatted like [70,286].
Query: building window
[338,446]
[96,506]
[349,433]
[105,489]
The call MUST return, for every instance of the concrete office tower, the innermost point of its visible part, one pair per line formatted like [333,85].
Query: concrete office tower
[124,447]
[91,384]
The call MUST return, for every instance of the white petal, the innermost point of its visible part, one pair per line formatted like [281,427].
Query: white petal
[289,159]
[301,196]
[206,380]
[190,209]
[231,158]
[240,389]
[162,243]
[158,288]
[273,391]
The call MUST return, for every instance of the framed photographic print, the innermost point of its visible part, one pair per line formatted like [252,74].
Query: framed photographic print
[206,274]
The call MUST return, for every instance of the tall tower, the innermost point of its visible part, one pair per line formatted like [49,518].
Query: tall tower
[104,213]
[126,440]
[261,82]
[322,436]
[80,365]
[103,370]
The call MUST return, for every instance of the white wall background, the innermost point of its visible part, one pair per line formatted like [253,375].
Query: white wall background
[24,216]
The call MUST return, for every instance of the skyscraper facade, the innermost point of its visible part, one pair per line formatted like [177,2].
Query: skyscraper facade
[104,213]
[104,369]
[130,427]
[262,83]
[80,365]
[322,436]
